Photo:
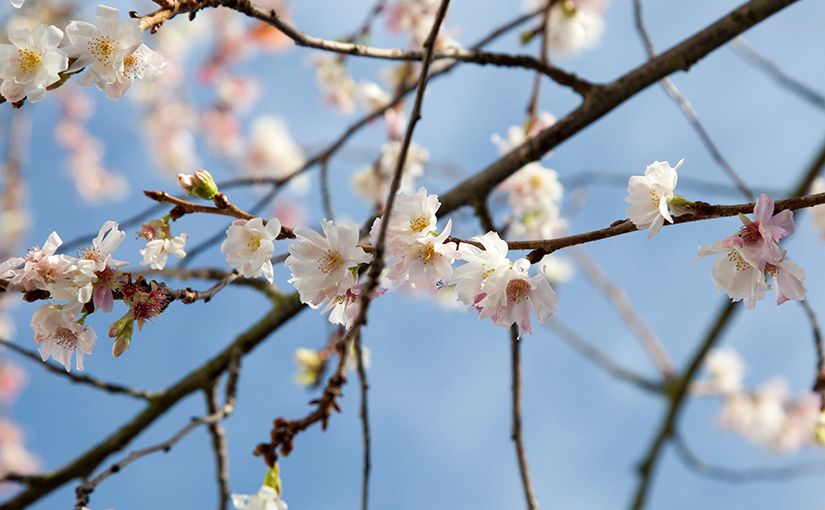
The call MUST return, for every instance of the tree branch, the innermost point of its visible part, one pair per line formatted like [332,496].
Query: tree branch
[516,434]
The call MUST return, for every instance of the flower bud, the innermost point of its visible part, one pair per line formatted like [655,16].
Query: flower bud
[121,330]
[201,184]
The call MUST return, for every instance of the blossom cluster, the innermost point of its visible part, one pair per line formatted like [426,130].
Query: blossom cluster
[80,286]
[111,52]
[766,416]
[745,261]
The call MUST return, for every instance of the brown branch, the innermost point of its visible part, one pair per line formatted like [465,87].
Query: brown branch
[79,378]
[601,359]
[516,433]
[270,16]
[85,489]
[703,212]
[604,98]
[196,380]
[219,447]
[693,118]
[533,104]
[365,422]
[621,303]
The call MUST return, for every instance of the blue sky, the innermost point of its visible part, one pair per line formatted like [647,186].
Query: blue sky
[440,379]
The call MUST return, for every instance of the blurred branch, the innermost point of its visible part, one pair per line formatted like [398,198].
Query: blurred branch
[516,432]
[772,70]
[678,388]
[219,445]
[77,378]
[686,182]
[693,118]
[742,476]
[617,297]
[601,359]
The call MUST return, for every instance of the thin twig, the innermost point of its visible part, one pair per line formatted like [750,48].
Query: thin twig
[365,422]
[605,98]
[617,297]
[601,359]
[533,104]
[742,476]
[772,69]
[516,433]
[219,447]
[693,118]
[326,196]
[78,378]
[84,490]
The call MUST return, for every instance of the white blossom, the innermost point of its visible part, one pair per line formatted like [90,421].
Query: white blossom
[143,64]
[510,295]
[59,335]
[726,370]
[324,266]
[272,152]
[249,246]
[31,62]
[413,217]
[425,262]
[266,499]
[101,49]
[574,27]
[649,195]
[480,265]
[157,251]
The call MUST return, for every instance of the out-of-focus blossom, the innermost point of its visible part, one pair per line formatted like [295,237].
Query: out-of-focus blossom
[372,182]
[272,152]
[336,84]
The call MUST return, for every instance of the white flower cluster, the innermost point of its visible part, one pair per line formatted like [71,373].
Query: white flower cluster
[88,283]
[766,416]
[111,52]
[326,267]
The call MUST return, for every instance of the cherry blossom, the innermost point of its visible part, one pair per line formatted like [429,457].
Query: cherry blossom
[575,26]
[103,48]
[510,295]
[372,182]
[156,252]
[249,246]
[325,266]
[343,308]
[649,196]
[818,211]
[143,64]
[337,85]
[17,3]
[480,265]
[31,63]
[424,263]
[59,334]
[14,457]
[726,370]
[267,498]
[272,152]
[747,260]
[413,217]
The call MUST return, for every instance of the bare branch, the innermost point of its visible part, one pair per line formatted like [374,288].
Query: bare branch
[78,378]
[365,422]
[601,359]
[617,297]
[516,433]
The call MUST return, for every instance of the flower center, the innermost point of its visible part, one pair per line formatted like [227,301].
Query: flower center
[427,253]
[254,242]
[132,66]
[517,290]
[654,198]
[419,224]
[331,262]
[736,259]
[102,49]
[750,232]
[536,181]
[66,338]
[29,60]
[486,274]
[771,270]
